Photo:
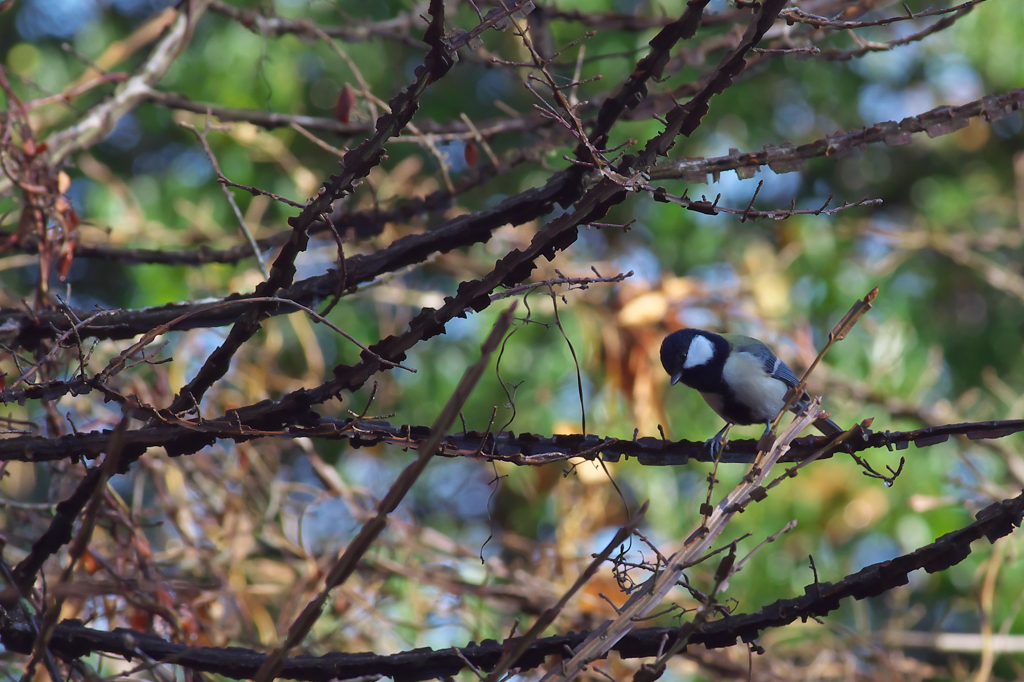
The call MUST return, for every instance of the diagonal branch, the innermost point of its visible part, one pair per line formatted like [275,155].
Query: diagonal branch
[524,449]
[470,229]
[100,120]
[789,158]
[356,164]
[80,544]
[522,644]
[71,639]
[651,593]
[346,563]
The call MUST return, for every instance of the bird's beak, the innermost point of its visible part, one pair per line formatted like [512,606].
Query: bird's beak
[676,378]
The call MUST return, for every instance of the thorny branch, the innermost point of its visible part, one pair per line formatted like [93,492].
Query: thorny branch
[356,164]
[527,449]
[790,158]
[590,187]
[72,639]
[703,205]
[466,230]
[795,15]
[346,563]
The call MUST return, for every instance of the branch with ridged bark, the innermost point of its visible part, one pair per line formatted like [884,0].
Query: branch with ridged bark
[525,449]
[515,267]
[469,229]
[788,158]
[71,639]
[356,164]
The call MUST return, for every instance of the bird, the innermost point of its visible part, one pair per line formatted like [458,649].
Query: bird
[739,377]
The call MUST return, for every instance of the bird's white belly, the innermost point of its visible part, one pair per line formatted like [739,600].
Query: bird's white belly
[762,393]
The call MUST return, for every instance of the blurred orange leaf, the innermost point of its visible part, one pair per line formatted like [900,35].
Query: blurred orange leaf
[471,153]
[139,619]
[65,257]
[344,104]
[89,563]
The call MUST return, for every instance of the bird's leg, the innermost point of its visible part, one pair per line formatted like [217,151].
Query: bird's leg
[765,441]
[718,442]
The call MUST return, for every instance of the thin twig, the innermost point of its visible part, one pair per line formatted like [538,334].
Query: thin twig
[347,562]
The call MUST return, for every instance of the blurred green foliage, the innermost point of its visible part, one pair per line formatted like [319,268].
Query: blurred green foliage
[943,343]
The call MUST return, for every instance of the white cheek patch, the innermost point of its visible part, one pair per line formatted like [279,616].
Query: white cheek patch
[700,352]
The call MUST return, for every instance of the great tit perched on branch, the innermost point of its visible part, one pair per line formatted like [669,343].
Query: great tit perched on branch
[740,378]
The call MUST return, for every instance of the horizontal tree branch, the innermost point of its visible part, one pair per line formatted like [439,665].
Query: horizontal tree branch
[454,129]
[466,230]
[526,449]
[789,158]
[24,329]
[355,225]
[71,639]
[395,28]
[535,449]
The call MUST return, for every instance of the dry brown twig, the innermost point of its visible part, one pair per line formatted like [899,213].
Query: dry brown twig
[590,209]
[224,182]
[651,593]
[346,563]
[100,120]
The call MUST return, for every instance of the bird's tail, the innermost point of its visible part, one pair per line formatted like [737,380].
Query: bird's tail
[828,427]
[825,425]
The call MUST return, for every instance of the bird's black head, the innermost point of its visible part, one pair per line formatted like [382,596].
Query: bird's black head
[695,357]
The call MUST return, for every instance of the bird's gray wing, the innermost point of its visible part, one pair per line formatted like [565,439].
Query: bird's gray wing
[783,373]
[772,365]
[775,367]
